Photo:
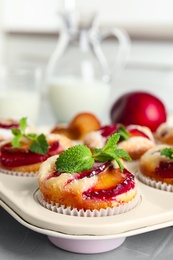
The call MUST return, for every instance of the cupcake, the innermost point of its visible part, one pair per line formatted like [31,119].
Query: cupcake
[5,128]
[81,181]
[25,152]
[7,124]
[164,134]
[134,139]
[156,167]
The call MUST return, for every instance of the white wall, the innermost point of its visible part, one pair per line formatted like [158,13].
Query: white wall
[144,17]
[1,33]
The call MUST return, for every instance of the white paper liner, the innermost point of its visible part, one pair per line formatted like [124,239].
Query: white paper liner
[155,184]
[61,209]
[15,173]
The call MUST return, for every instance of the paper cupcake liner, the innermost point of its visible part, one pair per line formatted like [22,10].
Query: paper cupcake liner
[15,173]
[61,209]
[155,184]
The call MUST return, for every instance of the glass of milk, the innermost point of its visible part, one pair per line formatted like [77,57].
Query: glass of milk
[20,93]
[70,95]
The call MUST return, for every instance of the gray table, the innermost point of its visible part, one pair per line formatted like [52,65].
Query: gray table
[18,242]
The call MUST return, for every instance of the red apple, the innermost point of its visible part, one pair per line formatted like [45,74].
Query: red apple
[139,108]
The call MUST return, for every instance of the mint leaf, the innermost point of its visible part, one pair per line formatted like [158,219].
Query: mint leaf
[75,159]
[17,137]
[16,131]
[117,159]
[40,145]
[123,154]
[16,141]
[79,158]
[100,156]
[111,142]
[23,124]
[107,152]
[168,152]
[124,134]
[32,136]
[120,153]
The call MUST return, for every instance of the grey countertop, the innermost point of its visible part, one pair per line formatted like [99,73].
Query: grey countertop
[18,242]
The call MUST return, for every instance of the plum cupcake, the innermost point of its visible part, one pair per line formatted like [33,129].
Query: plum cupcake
[79,182]
[156,167]
[134,139]
[24,153]
[5,128]
[7,124]
[164,134]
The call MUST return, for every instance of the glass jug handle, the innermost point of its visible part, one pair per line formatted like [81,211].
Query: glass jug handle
[61,46]
[122,54]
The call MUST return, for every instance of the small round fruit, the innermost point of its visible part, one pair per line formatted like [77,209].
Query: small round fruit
[140,108]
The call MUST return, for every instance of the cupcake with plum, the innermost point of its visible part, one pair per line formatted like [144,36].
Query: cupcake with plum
[23,154]
[164,134]
[81,182]
[7,124]
[134,139]
[156,167]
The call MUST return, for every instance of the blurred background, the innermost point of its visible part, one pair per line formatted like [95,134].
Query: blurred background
[29,30]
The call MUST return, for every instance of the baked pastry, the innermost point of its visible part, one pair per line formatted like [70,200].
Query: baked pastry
[23,161]
[79,126]
[7,124]
[103,185]
[5,128]
[157,165]
[164,134]
[25,152]
[134,139]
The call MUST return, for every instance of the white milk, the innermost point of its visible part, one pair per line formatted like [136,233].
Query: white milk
[69,96]
[20,104]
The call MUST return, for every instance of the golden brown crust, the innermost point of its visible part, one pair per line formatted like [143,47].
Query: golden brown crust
[27,168]
[150,160]
[64,141]
[68,191]
[136,146]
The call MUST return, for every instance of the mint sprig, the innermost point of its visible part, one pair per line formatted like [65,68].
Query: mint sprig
[79,158]
[39,143]
[168,152]
[124,134]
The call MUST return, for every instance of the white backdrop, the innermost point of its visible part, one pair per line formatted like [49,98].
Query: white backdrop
[142,17]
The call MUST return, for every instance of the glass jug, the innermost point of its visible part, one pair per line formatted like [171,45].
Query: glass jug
[78,75]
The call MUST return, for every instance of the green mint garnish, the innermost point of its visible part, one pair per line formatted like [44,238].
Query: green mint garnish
[75,159]
[79,158]
[168,152]
[124,134]
[39,143]
[23,124]
[17,137]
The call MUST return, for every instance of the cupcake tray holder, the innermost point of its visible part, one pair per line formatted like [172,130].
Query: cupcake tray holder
[85,234]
